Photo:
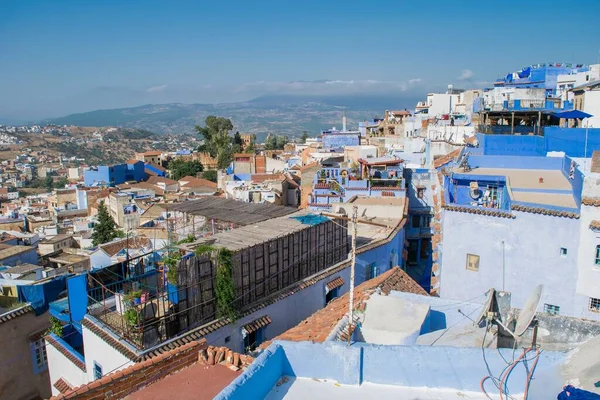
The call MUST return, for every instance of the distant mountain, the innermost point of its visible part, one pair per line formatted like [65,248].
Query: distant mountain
[281,114]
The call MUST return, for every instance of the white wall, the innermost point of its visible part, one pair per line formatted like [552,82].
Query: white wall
[100,259]
[452,134]
[591,105]
[97,350]
[440,104]
[60,366]
[275,165]
[532,244]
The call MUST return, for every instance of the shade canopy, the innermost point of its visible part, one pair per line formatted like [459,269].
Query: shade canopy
[573,114]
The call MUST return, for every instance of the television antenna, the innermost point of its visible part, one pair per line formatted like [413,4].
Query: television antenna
[526,316]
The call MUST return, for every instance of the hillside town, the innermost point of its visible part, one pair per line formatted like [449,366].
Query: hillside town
[438,252]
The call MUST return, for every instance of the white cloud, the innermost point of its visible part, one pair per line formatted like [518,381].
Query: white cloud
[465,75]
[413,81]
[156,89]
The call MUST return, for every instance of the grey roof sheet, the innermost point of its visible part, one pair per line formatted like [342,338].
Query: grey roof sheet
[228,210]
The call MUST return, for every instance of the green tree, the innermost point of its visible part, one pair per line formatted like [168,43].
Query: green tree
[106,229]
[180,168]
[210,175]
[275,142]
[304,136]
[48,182]
[217,141]
[237,139]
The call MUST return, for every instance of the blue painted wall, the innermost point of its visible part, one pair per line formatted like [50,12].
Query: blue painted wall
[135,172]
[527,248]
[155,170]
[572,140]
[409,366]
[107,175]
[510,145]
[340,140]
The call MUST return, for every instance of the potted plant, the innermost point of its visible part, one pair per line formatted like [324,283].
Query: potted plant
[131,317]
[133,297]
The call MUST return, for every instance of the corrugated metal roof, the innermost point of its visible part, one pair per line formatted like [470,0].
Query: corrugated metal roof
[251,235]
[228,210]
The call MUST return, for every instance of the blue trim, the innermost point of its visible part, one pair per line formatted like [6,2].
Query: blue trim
[68,347]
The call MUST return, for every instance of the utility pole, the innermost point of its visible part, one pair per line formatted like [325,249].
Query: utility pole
[352,265]
[355,221]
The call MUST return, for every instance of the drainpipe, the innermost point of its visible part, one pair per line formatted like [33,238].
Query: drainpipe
[503,268]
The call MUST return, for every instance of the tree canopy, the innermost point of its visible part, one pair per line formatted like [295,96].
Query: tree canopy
[276,142]
[210,175]
[106,229]
[180,168]
[304,136]
[217,141]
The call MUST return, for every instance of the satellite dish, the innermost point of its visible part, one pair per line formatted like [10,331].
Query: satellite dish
[486,307]
[528,312]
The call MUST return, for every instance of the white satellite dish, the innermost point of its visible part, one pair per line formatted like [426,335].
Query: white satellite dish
[528,312]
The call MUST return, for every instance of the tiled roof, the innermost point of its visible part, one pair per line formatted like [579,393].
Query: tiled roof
[320,204]
[591,201]
[387,194]
[107,379]
[257,324]
[145,185]
[595,224]
[135,242]
[443,160]
[335,283]
[190,181]
[471,140]
[318,326]
[544,211]
[153,153]
[115,344]
[9,316]
[389,189]
[480,211]
[159,179]
[58,346]
[322,185]
[132,161]
[62,385]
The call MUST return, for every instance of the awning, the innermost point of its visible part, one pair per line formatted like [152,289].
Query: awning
[336,283]
[257,324]
[573,114]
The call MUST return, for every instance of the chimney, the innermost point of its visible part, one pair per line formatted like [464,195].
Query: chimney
[344,121]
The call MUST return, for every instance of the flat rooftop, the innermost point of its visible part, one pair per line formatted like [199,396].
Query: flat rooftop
[525,178]
[317,389]
[529,180]
[196,382]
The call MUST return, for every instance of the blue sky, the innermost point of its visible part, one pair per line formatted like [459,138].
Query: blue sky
[60,57]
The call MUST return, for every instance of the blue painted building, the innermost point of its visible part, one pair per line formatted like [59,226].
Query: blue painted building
[511,223]
[333,139]
[539,76]
[110,175]
[374,177]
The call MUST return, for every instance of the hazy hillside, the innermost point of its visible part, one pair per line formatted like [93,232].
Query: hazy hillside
[288,115]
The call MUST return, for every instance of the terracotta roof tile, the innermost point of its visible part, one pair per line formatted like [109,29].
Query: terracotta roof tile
[58,346]
[135,242]
[480,211]
[190,181]
[257,324]
[318,326]
[159,179]
[335,283]
[591,201]
[544,211]
[443,160]
[595,224]
[62,385]
[322,185]
[9,316]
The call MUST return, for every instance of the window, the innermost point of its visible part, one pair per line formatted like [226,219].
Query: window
[598,256]
[551,309]
[38,354]
[472,262]
[420,192]
[563,252]
[371,271]
[332,294]
[253,340]
[425,221]
[227,339]
[594,304]
[416,221]
[97,370]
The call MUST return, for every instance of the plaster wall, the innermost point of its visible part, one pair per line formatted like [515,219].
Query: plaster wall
[527,249]
[97,350]
[60,366]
